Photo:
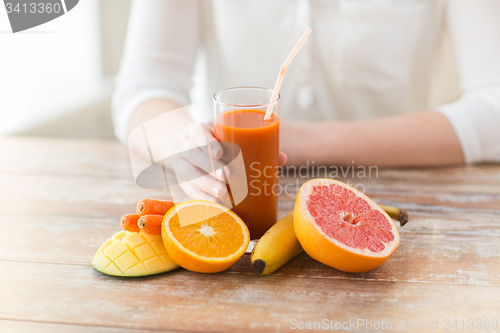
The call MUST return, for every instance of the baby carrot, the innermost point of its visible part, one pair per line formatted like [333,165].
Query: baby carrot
[150,224]
[155,207]
[129,222]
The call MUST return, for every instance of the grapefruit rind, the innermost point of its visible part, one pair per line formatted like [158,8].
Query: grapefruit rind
[191,260]
[328,250]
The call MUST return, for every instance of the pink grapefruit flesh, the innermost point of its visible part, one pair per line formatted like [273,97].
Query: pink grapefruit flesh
[343,228]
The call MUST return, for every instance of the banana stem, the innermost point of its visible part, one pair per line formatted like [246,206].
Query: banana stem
[396,213]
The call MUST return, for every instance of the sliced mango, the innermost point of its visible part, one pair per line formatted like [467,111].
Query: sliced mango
[133,254]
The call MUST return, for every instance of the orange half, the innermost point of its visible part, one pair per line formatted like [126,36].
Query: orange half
[203,236]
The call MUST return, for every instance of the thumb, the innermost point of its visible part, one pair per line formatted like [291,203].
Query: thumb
[282,159]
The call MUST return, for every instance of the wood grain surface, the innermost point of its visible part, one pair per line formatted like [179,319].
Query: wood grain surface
[60,199]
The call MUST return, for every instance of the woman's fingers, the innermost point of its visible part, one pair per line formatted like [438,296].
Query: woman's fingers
[202,136]
[200,151]
[200,159]
[206,150]
[195,193]
[188,173]
[282,159]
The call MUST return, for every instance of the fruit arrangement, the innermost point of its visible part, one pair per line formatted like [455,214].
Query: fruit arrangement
[156,241]
[138,250]
[332,222]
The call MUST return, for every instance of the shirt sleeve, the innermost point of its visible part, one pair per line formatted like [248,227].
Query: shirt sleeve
[474,27]
[159,56]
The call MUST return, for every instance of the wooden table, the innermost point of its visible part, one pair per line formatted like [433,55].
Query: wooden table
[60,199]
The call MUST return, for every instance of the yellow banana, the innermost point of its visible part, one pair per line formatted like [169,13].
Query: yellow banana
[396,213]
[278,246]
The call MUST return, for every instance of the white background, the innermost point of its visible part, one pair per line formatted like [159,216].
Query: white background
[51,69]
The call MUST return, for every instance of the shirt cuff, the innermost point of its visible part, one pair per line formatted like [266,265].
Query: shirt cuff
[458,114]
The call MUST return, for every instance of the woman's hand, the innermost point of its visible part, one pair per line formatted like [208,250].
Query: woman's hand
[198,168]
[200,176]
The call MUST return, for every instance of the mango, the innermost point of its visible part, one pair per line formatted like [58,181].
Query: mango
[133,254]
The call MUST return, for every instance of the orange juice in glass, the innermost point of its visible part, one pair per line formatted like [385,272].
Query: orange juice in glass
[239,119]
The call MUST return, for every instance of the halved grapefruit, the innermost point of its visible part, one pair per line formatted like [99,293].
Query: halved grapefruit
[343,228]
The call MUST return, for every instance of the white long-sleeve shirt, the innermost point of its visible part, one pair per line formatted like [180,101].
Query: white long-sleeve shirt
[364,59]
